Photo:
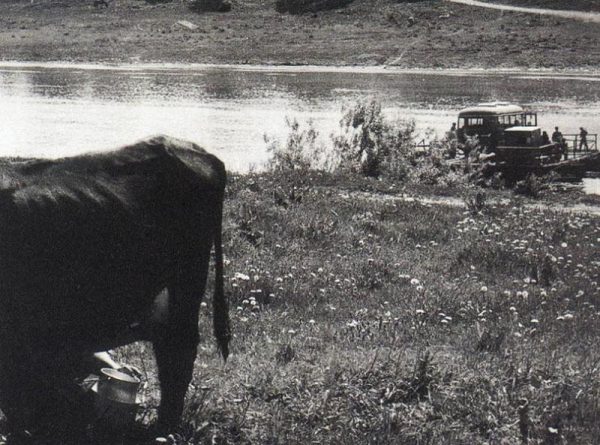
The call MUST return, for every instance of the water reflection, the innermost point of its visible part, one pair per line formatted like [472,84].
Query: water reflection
[57,111]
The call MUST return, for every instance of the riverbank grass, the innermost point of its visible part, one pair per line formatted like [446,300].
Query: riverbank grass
[367,318]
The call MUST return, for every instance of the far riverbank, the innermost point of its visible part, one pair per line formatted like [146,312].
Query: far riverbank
[428,34]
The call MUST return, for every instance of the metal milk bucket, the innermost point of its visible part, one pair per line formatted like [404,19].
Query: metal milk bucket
[117,398]
[117,386]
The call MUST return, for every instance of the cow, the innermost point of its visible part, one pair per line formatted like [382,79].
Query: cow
[86,245]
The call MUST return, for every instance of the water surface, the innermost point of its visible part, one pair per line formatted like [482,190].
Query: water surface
[56,110]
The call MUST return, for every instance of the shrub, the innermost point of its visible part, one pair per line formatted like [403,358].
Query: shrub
[372,145]
[303,6]
[369,144]
[301,150]
[531,186]
[210,6]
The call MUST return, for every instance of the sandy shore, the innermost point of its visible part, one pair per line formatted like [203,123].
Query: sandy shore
[429,34]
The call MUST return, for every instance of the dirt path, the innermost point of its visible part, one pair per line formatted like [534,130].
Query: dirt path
[577,15]
[458,202]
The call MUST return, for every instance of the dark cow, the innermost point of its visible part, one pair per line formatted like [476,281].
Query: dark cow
[86,245]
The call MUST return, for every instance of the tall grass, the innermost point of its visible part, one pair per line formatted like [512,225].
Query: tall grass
[362,320]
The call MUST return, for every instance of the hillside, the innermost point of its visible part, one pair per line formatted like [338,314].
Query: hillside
[579,5]
[367,32]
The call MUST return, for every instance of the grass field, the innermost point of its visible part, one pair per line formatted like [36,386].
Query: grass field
[361,318]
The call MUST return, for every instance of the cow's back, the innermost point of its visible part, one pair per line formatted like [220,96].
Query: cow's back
[86,242]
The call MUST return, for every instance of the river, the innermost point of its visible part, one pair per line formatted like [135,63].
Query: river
[54,110]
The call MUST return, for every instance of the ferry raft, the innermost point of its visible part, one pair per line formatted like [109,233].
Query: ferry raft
[513,143]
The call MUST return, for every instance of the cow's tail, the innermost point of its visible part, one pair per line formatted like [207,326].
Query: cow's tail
[221,325]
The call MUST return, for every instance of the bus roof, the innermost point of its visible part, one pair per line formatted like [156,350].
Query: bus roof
[491,108]
[521,128]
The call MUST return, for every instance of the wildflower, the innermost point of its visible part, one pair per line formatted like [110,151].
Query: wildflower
[203,304]
[419,288]
[563,245]
[534,321]
[414,281]
[484,289]
[312,321]
[291,332]
[241,276]
[552,430]
[420,311]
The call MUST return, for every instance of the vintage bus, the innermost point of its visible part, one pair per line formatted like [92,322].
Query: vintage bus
[488,121]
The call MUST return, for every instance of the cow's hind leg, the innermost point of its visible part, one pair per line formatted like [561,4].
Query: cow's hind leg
[175,344]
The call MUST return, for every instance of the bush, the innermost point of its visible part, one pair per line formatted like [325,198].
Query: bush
[210,6]
[532,186]
[300,151]
[303,6]
[368,144]
[372,145]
